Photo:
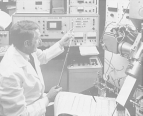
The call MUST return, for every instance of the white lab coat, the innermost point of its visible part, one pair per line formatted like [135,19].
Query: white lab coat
[21,88]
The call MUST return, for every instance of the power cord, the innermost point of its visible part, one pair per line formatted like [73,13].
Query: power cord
[109,65]
[114,109]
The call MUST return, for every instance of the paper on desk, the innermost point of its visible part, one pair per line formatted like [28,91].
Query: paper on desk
[83,105]
[88,50]
[125,90]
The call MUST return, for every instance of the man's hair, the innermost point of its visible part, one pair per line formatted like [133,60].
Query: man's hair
[21,31]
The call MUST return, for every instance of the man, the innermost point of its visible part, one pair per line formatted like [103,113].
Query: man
[21,82]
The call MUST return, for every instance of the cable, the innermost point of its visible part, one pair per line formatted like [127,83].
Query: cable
[112,78]
[58,85]
[113,67]
[113,22]
[109,64]
[59,82]
[105,30]
[117,24]
[92,96]
[114,109]
[119,79]
[124,13]
[123,37]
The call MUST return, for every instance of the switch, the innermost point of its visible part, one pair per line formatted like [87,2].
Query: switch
[80,1]
[5,34]
[62,32]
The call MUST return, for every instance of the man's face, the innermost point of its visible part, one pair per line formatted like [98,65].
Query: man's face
[34,43]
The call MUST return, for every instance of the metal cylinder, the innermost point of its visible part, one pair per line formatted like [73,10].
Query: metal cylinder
[134,69]
[124,48]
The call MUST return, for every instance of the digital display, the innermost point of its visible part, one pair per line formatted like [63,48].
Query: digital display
[54,25]
[38,2]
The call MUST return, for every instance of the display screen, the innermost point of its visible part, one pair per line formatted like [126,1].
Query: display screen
[38,2]
[54,25]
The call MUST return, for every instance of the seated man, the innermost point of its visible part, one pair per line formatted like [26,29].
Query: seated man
[21,81]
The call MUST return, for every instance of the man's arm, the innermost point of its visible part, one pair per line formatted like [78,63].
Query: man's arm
[54,50]
[50,53]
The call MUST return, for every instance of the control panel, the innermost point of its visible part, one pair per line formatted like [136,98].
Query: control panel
[117,12]
[26,6]
[83,75]
[92,62]
[4,38]
[83,6]
[83,2]
[53,27]
[55,6]
[56,17]
[83,10]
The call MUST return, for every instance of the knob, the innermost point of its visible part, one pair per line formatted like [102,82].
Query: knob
[62,32]
[5,34]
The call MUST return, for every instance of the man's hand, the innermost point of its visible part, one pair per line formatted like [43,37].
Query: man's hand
[53,92]
[65,39]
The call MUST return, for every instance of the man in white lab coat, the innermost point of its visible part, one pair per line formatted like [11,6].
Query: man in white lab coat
[21,82]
